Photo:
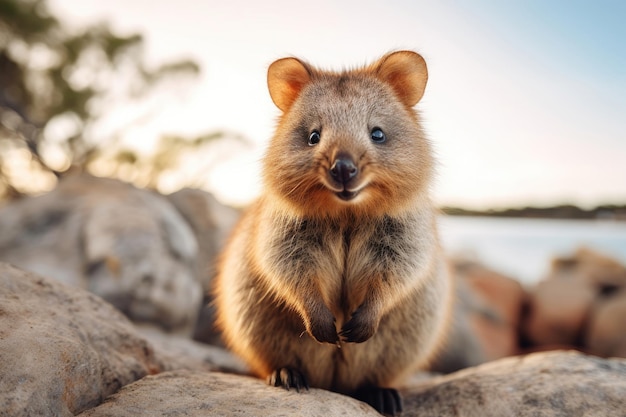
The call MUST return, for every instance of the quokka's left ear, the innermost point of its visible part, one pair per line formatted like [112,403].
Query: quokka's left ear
[407,74]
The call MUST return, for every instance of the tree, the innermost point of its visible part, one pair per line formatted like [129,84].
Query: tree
[55,84]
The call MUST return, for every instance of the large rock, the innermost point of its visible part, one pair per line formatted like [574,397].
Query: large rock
[606,331]
[486,317]
[179,352]
[188,393]
[62,350]
[127,245]
[557,310]
[568,307]
[211,223]
[504,294]
[462,347]
[550,384]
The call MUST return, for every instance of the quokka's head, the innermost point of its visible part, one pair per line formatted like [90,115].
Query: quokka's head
[348,142]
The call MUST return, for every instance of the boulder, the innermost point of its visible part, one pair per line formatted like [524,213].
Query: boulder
[504,294]
[557,310]
[462,347]
[486,317]
[606,331]
[211,223]
[551,384]
[603,272]
[193,393]
[63,350]
[179,352]
[127,245]
[568,307]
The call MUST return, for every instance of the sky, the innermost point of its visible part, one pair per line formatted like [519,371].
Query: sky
[525,103]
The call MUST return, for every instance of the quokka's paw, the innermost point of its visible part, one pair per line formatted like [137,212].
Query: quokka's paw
[386,401]
[322,327]
[359,328]
[288,378]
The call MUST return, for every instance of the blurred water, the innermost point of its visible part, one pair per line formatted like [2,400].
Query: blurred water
[523,248]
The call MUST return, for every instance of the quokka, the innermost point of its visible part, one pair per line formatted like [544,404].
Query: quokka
[334,278]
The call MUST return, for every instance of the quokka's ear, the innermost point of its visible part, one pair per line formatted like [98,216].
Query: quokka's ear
[406,72]
[285,79]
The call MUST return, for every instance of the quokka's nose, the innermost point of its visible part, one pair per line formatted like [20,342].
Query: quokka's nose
[343,170]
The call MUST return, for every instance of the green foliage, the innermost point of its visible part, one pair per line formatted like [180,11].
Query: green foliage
[50,73]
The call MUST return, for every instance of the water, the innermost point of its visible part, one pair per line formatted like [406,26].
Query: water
[523,248]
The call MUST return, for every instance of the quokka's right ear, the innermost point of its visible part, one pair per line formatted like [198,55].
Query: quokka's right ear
[285,79]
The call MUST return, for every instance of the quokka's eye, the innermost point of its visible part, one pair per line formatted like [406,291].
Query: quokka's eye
[314,138]
[378,136]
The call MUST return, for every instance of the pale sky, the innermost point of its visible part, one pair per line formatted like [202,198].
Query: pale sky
[525,104]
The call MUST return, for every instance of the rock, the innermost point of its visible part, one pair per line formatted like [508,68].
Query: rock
[504,294]
[606,331]
[541,384]
[557,310]
[41,235]
[561,306]
[462,347]
[65,351]
[211,223]
[178,352]
[62,350]
[486,317]
[192,393]
[127,245]
[604,273]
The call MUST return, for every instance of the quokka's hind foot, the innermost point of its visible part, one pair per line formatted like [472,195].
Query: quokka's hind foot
[288,378]
[386,401]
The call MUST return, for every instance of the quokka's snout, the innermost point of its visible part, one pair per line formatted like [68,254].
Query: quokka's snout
[343,169]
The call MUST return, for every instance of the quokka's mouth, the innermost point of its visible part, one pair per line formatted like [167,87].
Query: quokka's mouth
[346,195]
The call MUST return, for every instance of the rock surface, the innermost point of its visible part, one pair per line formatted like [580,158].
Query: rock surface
[188,393]
[606,331]
[580,304]
[62,350]
[211,223]
[178,352]
[65,351]
[486,317]
[127,245]
[551,384]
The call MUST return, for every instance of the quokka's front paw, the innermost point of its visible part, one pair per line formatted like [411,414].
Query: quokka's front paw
[359,328]
[322,326]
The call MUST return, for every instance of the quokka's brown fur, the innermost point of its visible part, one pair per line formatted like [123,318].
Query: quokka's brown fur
[334,277]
